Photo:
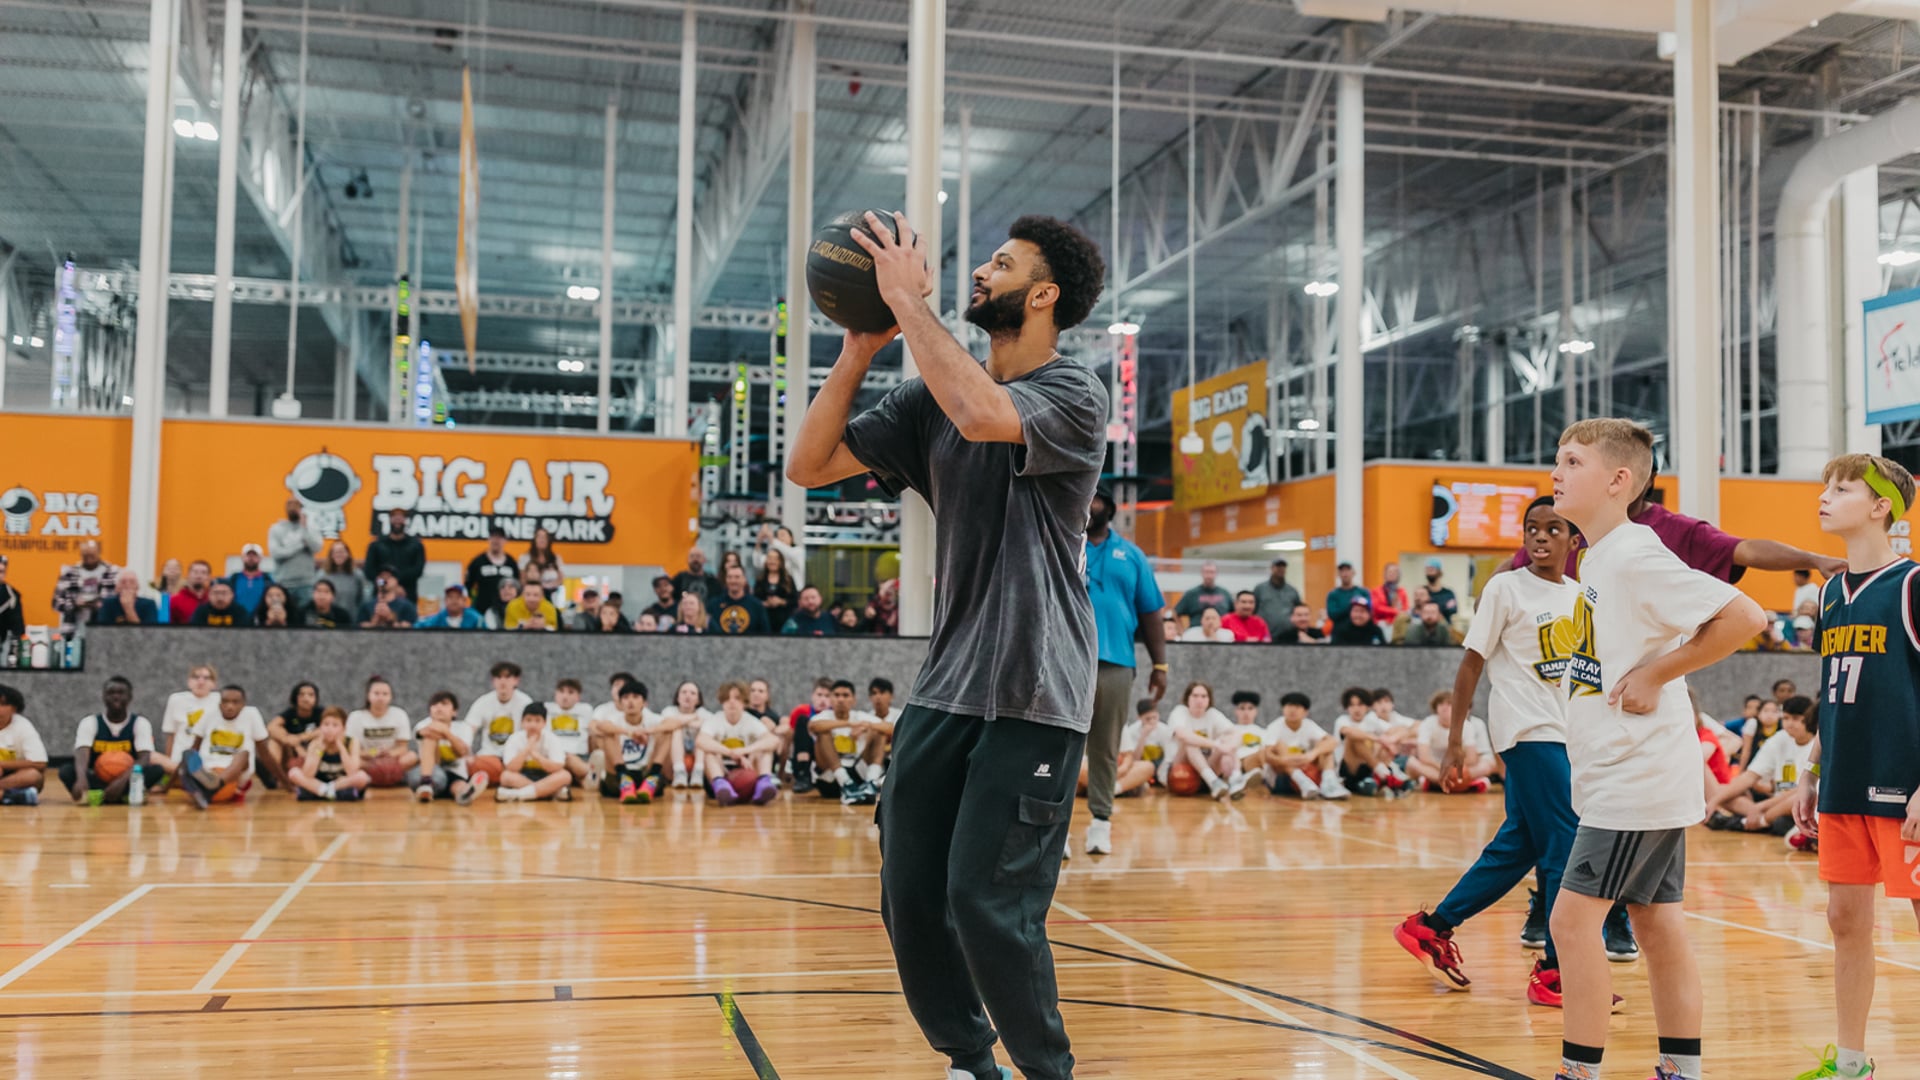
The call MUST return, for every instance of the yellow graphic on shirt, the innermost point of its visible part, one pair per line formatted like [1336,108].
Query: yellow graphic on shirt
[1557,640]
[447,754]
[734,619]
[843,743]
[1150,752]
[1788,773]
[566,724]
[1250,738]
[1583,666]
[500,730]
[5,754]
[193,718]
[226,740]
[733,743]
[108,746]
[1853,638]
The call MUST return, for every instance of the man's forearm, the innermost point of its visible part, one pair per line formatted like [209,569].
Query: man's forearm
[1773,555]
[824,426]
[1153,634]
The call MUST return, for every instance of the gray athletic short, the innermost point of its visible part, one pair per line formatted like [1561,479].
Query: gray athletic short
[1636,867]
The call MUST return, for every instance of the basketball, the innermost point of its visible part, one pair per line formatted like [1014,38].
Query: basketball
[840,275]
[743,780]
[386,772]
[492,766]
[112,765]
[1182,779]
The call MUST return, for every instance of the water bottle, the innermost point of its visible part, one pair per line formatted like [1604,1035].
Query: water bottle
[8,651]
[42,654]
[137,786]
[76,649]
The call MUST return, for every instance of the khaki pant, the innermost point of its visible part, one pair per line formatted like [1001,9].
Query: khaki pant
[1112,702]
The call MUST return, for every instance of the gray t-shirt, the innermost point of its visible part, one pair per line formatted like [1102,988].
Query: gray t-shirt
[1275,603]
[1013,632]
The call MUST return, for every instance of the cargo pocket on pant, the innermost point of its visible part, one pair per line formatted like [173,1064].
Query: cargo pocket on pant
[1030,855]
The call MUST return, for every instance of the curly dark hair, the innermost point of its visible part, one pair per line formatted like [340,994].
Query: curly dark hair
[1070,260]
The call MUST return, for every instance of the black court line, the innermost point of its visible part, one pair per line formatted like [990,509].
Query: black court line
[743,1034]
[563,993]
[215,1004]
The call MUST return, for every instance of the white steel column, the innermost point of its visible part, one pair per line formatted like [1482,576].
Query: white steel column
[926,108]
[672,419]
[401,248]
[802,76]
[1860,282]
[963,217]
[1693,282]
[222,358]
[1496,422]
[1350,195]
[150,341]
[606,263]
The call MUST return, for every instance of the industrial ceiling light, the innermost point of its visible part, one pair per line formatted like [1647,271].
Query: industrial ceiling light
[205,130]
[183,127]
[1898,259]
[588,293]
[1576,348]
[37,342]
[1123,328]
[1308,423]
[1322,289]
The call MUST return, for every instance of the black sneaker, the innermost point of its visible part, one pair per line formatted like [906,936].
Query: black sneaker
[802,777]
[1721,821]
[859,793]
[1367,787]
[1534,934]
[1618,934]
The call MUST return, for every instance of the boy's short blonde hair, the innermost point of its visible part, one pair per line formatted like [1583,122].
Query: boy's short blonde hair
[728,689]
[1621,443]
[1855,466]
[1439,698]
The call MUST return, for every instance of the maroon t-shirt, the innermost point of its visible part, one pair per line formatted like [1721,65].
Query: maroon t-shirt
[1698,544]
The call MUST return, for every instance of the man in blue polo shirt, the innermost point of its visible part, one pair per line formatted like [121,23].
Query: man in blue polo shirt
[1126,601]
[455,613]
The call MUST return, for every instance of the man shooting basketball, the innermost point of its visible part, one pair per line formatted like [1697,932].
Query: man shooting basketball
[988,749]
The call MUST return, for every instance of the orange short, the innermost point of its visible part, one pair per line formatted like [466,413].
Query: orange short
[1856,849]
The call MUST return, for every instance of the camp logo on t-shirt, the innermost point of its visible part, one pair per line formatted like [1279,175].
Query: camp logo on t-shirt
[843,743]
[1557,639]
[1252,737]
[1583,665]
[733,742]
[566,725]
[376,734]
[1150,752]
[734,619]
[499,730]
[225,741]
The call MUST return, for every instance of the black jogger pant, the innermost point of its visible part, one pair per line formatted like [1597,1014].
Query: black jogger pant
[972,825]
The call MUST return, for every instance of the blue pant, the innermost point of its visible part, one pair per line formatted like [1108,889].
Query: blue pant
[1538,833]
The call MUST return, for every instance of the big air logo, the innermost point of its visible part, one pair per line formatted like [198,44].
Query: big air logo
[457,498]
[17,505]
[63,514]
[324,483]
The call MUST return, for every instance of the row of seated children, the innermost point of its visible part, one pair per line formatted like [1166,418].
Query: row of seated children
[1373,749]
[1753,790]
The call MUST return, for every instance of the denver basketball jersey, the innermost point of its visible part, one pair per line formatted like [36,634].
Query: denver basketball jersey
[1869,692]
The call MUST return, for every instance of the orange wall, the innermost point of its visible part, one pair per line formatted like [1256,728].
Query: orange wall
[1398,505]
[61,460]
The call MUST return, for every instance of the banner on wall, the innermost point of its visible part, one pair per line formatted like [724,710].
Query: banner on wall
[617,501]
[1892,362]
[1229,413]
[65,485]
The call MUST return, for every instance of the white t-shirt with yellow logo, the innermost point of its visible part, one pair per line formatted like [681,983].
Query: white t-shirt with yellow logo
[569,727]
[491,722]
[184,713]
[389,732]
[20,741]
[1158,747]
[1523,626]
[734,736]
[221,739]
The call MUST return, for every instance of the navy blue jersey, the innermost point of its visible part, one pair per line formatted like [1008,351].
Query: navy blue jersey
[1870,692]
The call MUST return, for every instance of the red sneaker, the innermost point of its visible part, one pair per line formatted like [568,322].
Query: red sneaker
[1480,786]
[1543,987]
[1436,952]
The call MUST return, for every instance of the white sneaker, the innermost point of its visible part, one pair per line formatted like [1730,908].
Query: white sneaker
[1237,786]
[513,794]
[1218,788]
[1305,785]
[876,775]
[956,1074]
[596,767]
[1400,774]
[697,776]
[680,776]
[1099,837]
[1332,788]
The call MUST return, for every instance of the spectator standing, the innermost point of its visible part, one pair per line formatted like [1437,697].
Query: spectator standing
[83,585]
[126,607]
[1243,624]
[1208,629]
[737,611]
[1390,599]
[250,584]
[325,611]
[531,610]
[1343,597]
[540,554]
[1207,594]
[882,615]
[188,598]
[691,616]
[295,547]
[1127,603]
[276,608]
[13,618]
[1440,594]
[405,555]
[779,538]
[695,579]
[1300,629]
[169,582]
[454,614]
[808,619]
[349,588]
[1431,629]
[389,609]
[220,609]
[776,589]
[1274,599]
[1358,628]
[665,600]
[488,569]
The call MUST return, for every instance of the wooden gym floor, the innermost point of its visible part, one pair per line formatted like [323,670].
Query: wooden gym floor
[679,940]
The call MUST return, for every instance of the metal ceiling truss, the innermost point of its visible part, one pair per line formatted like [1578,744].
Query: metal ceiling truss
[759,129]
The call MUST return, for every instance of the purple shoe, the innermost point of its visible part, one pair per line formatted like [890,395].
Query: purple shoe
[765,791]
[724,794]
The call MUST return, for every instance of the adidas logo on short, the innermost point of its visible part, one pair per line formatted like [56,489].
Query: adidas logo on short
[1585,869]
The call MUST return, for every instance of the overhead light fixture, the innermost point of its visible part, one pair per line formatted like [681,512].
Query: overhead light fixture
[1191,444]
[1308,423]
[126,400]
[1576,348]
[1285,545]
[583,292]
[36,341]
[204,130]
[1322,289]
[942,196]
[1123,328]
[183,127]
[573,367]
[1899,258]
[18,340]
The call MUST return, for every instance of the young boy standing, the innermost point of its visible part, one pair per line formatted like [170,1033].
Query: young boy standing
[1862,799]
[1519,627]
[1643,621]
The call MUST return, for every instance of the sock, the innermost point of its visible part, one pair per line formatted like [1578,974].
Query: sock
[1580,1062]
[1681,1057]
[1382,773]
[1304,782]
[1207,775]
[1437,924]
[1853,1063]
[840,776]
[875,772]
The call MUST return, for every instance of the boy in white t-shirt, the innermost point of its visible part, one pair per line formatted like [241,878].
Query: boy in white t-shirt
[600,767]
[1366,746]
[1147,750]
[1250,741]
[494,717]
[445,747]
[1399,726]
[23,757]
[570,720]
[1300,756]
[731,738]
[1207,740]
[224,749]
[1776,770]
[1430,752]
[536,767]
[641,763]
[184,709]
[846,748]
[1643,621]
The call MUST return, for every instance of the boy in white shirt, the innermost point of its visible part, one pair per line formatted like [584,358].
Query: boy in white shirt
[494,718]
[1366,747]
[1300,755]
[1207,740]
[1643,621]
[610,709]
[225,748]
[642,758]
[1399,725]
[23,757]
[1147,750]
[1775,771]
[569,720]
[1430,752]
[445,745]
[732,738]
[184,709]
[1250,741]
[536,767]
[847,749]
